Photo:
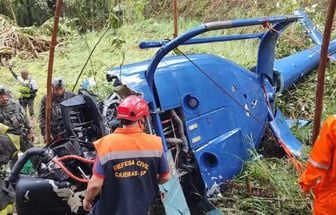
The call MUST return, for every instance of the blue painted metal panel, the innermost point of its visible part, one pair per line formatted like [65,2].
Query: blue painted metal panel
[298,122]
[208,133]
[266,52]
[280,128]
[164,50]
[200,40]
[263,70]
[133,75]
[235,101]
[293,67]
[221,158]
[215,123]
[215,212]
[290,69]
[177,77]
[310,28]
[173,196]
[224,105]
[192,82]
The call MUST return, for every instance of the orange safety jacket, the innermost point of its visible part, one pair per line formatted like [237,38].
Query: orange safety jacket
[320,174]
[130,161]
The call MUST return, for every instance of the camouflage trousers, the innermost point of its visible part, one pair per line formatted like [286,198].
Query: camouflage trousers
[7,197]
[8,150]
[28,103]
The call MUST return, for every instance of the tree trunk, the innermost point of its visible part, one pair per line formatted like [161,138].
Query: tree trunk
[29,12]
[11,8]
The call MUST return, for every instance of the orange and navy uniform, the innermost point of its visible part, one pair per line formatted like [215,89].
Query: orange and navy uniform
[320,174]
[130,162]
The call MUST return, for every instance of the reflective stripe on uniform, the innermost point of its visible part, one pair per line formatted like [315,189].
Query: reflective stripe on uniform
[3,128]
[15,140]
[24,88]
[129,154]
[318,165]
[9,209]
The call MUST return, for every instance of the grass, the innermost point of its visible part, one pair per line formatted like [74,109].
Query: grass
[274,181]
[273,189]
[71,54]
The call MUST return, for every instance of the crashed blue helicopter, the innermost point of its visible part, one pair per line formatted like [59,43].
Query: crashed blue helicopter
[208,110]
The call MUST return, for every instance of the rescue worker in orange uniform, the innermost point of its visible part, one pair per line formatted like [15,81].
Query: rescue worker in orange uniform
[319,177]
[129,165]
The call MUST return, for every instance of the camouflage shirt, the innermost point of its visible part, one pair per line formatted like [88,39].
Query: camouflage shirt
[14,116]
[57,125]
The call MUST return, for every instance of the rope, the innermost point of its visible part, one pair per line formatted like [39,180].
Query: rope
[221,88]
[296,163]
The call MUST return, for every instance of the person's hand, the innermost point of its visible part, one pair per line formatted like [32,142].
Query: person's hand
[8,63]
[308,192]
[87,205]
[5,62]
[30,136]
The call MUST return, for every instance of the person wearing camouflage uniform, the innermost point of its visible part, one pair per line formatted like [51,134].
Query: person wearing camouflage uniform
[59,94]
[14,126]
[15,135]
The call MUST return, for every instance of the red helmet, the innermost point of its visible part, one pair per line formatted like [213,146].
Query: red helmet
[132,108]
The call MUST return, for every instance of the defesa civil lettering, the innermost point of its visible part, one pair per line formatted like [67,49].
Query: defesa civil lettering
[123,164]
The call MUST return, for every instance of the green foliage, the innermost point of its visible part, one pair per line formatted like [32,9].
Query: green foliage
[95,15]
[90,15]
[274,180]
[27,42]
[115,21]
[209,10]
[5,22]
[26,12]
[134,9]
[267,186]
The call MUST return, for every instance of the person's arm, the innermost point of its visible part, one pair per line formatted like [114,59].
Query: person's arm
[320,158]
[27,125]
[26,122]
[164,178]
[93,189]
[94,186]
[164,173]
[33,87]
[13,73]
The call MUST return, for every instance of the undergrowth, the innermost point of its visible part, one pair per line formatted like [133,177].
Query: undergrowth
[267,185]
